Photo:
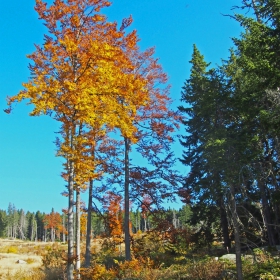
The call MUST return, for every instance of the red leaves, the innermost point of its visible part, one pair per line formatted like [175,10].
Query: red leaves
[52,220]
[146,204]
[113,206]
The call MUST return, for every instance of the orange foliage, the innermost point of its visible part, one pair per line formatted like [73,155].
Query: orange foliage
[83,225]
[84,77]
[52,220]
[115,218]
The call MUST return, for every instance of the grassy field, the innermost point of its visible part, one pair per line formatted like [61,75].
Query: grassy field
[19,256]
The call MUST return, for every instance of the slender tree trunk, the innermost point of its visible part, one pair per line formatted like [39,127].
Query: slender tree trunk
[145,223]
[236,233]
[276,220]
[32,229]
[88,237]
[78,232]
[35,225]
[224,223]
[52,234]
[126,201]
[266,213]
[70,265]
[63,233]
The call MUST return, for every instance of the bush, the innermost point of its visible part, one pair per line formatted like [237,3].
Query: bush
[97,272]
[12,249]
[54,261]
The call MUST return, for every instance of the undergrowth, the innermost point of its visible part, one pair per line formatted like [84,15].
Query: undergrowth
[161,261]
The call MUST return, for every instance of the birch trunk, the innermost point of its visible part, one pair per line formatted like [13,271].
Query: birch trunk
[88,237]
[63,233]
[70,227]
[78,232]
[126,201]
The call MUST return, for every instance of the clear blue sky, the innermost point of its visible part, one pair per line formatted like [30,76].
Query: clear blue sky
[29,170]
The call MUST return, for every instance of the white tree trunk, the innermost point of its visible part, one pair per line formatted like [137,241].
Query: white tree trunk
[78,233]
[70,264]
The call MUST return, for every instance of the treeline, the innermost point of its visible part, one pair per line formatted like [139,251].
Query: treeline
[40,226]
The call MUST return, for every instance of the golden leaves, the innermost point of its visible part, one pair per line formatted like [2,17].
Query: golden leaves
[90,75]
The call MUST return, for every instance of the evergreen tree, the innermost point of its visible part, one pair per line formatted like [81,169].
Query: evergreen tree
[3,223]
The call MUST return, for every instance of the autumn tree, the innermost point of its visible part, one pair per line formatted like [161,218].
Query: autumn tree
[80,73]
[53,222]
[3,223]
[155,122]
[114,213]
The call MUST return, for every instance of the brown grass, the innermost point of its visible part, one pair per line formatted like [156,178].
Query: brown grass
[13,250]
[31,252]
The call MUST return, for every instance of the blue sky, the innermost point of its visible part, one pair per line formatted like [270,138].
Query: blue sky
[29,170]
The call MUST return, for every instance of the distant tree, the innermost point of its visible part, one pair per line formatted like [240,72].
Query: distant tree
[32,226]
[22,226]
[39,217]
[53,222]
[3,223]
[13,221]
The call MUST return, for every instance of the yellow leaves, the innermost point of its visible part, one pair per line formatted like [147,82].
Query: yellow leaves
[69,44]
[87,73]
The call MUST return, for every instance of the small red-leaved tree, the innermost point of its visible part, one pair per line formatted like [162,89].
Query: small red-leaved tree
[53,222]
[114,216]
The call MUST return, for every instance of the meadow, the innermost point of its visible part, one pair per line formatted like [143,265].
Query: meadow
[154,259]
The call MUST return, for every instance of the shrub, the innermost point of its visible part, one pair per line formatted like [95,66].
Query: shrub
[12,249]
[97,272]
[164,248]
[30,260]
[205,269]
[130,269]
[54,257]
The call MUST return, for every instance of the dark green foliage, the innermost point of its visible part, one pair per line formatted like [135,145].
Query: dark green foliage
[231,116]
[3,223]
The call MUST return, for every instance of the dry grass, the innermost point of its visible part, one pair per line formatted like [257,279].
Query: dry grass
[13,250]
[31,252]
[9,265]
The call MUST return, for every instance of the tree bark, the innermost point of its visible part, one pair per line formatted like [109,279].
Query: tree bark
[88,237]
[63,233]
[78,232]
[126,201]
[236,233]
[70,227]
[224,223]
[266,214]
